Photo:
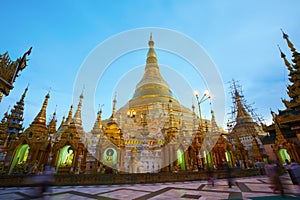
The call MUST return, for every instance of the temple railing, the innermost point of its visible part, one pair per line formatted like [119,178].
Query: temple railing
[110,179]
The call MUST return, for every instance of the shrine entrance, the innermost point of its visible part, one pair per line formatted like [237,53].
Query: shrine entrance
[20,157]
[283,155]
[66,157]
[180,159]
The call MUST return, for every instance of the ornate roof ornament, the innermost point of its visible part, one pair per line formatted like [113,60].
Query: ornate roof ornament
[286,37]
[9,70]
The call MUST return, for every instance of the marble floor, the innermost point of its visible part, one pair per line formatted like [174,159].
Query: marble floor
[243,188]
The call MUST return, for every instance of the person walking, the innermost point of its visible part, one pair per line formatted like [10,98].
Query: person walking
[273,171]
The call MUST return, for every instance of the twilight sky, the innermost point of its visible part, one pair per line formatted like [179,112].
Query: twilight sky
[240,38]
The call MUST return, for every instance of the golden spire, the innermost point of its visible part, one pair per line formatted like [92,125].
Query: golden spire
[114,105]
[24,94]
[62,122]
[38,128]
[151,56]
[112,118]
[286,37]
[98,122]
[41,116]
[286,62]
[77,116]
[242,114]
[214,126]
[52,124]
[69,118]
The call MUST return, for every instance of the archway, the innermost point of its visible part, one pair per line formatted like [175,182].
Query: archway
[66,157]
[180,159]
[20,157]
[283,154]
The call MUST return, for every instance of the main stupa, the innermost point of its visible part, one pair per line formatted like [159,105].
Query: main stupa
[153,101]
[152,88]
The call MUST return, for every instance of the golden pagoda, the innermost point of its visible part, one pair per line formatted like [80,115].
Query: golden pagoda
[152,132]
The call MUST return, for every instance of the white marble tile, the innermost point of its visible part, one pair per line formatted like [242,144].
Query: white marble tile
[177,194]
[124,194]
[94,190]
[150,188]
[68,196]
[259,187]
[224,188]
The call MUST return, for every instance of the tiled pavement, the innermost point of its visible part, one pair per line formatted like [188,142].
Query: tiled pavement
[243,188]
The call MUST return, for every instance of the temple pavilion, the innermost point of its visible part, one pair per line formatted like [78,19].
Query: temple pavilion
[283,141]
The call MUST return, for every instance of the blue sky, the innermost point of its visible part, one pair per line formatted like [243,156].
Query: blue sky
[239,37]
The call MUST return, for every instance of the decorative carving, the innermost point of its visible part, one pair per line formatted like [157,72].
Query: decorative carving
[9,70]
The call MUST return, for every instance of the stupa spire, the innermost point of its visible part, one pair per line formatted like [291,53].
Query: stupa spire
[112,118]
[62,122]
[98,123]
[214,126]
[52,124]
[242,114]
[286,62]
[24,94]
[41,116]
[69,118]
[38,128]
[77,117]
[286,37]
[151,56]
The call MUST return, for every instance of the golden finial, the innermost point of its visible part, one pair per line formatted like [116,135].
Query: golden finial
[81,95]
[151,42]
[100,109]
[151,56]
[114,105]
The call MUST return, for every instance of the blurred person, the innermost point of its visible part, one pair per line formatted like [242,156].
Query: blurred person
[273,171]
[210,177]
[295,172]
[229,176]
